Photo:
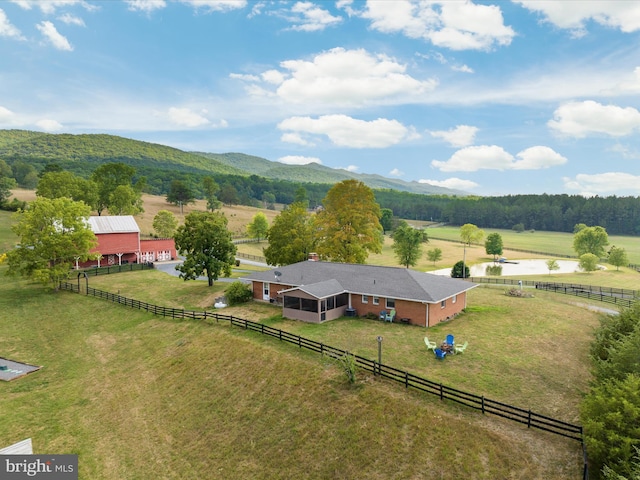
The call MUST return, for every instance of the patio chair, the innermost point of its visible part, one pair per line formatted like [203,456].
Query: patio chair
[440,354]
[430,345]
[383,314]
[449,340]
[461,348]
[390,316]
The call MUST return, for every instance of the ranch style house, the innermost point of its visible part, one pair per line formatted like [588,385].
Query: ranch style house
[119,243]
[314,291]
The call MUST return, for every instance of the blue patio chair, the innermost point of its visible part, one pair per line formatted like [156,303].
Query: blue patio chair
[440,354]
[383,314]
[449,340]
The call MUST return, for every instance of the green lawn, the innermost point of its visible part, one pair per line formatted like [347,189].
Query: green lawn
[144,397]
[557,243]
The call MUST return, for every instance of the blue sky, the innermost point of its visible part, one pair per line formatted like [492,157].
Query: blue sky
[493,98]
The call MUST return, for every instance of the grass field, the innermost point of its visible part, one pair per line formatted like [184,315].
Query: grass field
[137,396]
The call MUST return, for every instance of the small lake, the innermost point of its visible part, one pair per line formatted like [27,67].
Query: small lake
[522,267]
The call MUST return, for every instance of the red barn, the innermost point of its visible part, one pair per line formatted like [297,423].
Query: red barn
[119,243]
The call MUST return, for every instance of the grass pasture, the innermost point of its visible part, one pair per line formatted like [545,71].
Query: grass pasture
[144,397]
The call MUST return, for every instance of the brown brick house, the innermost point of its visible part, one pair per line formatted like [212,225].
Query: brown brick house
[320,291]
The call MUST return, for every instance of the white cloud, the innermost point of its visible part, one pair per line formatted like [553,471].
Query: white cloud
[216,5]
[350,168]
[579,119]
[71,20]
[340,77]
[621,14]
[49,6]
[453,25]
[7,29]
[295,138]
[461,136]
[462,68]
[186,117]
[50,33]
[6,115]
[396,173]
[312,18]
[492,157]
[146,6]
[536,158]
[345,131]
[49,125]
[245,77]
[272,76]
[603,183]
[628,86]
[454,183]
[299,160]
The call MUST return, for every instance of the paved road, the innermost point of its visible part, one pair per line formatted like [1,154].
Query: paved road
[170,268]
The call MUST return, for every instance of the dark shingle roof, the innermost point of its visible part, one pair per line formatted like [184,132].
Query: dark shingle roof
[389,282]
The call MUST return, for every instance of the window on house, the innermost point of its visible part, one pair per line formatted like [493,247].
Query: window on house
[365,299]
[391,303]
[376,300]
[454,298]
[443,303]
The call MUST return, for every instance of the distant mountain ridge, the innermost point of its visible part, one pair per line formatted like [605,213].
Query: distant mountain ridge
[69,149]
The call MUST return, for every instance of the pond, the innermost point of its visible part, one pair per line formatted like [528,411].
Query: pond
[520,267]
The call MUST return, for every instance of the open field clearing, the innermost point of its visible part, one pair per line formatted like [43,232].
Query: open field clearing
[138,396]
[511,339]
[558,243]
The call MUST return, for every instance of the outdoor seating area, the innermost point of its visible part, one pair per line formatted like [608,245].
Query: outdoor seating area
[388,316]
[447,347]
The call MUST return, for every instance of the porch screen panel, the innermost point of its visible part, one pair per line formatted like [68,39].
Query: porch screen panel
[292,302]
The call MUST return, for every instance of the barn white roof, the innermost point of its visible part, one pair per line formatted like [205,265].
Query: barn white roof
[113,224]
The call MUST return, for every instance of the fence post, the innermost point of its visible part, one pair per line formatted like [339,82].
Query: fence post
[482,404]
[441,392]
[529,419]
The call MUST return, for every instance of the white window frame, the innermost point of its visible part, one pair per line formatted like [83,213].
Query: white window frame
[376,300]
[392,304]
[365,298]
[443,303]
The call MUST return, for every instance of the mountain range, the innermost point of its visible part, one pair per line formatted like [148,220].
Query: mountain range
[73,152]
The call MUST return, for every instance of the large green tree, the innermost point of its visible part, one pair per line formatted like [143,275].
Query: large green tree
[206,243]
[54,234]
[180,193]
[407,244]
[290,236]
[165,224]
[590,240]
[618,257]
[124,200]
[470,233]
[110,176]
[434,255]
[258,227]
[348,227]
[493,245]
[210,189]
[6,184]
[56,184]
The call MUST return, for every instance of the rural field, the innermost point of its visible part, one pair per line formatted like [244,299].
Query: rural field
[139,396]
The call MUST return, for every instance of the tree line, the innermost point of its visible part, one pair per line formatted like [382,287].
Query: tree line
[560,213]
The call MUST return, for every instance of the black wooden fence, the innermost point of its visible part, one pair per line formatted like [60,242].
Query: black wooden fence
[477,402]
[619,296]
[126,267]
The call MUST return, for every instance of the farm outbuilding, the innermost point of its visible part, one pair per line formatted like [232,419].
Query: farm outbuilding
[119,243]
[319,291]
